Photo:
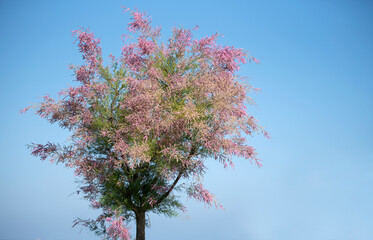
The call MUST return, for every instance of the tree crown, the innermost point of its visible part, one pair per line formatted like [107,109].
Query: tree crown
[149,119]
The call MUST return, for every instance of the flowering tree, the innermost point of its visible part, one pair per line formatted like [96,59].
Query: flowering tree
[143,125]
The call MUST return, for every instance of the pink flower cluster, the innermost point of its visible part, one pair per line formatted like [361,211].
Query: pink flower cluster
[44,151]
[84,74]
[117,229]
[182,38]
[140,22]
[146,46]
[229,58]
[199,193]
[131,57]
[89,47]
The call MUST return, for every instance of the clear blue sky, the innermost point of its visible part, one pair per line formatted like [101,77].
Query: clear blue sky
[316,101]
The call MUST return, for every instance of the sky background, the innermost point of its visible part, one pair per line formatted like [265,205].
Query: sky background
[316,102]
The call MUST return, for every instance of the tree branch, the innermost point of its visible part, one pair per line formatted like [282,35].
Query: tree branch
[165,195]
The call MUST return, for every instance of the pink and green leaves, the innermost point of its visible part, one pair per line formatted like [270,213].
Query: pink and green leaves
[150,120]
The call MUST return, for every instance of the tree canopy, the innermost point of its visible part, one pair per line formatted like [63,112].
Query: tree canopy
[143,125]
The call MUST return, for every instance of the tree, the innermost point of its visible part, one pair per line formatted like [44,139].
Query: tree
[143,125]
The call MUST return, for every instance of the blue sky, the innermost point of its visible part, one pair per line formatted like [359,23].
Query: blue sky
[316,101]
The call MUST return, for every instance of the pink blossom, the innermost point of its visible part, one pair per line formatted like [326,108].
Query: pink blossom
[146,46]
[229,58]
[131,57]
[181,39]
[152,201]
[95,204]
[84,74]
[89,47]
[199,193]
[117,228]
[25,109]
[140,22]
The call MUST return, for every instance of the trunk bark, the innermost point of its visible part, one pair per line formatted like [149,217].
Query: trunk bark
[140,225]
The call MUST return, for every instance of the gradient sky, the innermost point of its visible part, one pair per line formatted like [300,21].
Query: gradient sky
[316,101]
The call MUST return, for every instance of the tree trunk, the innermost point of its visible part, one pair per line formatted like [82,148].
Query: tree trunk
[140,225]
